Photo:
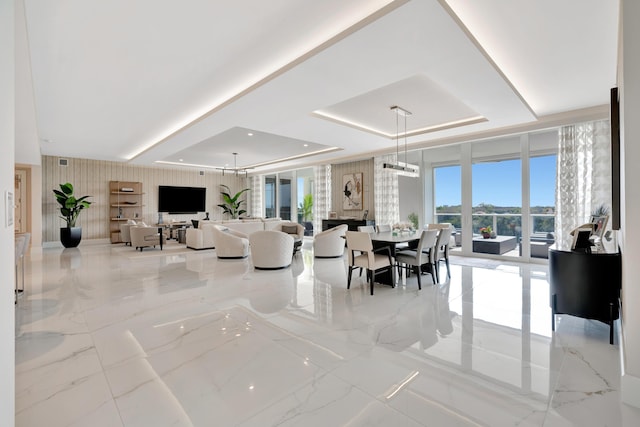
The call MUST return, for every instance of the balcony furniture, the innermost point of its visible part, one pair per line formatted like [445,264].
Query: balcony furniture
[585,285]
[352,224]
[270,249]
[362,255]
[330,243]
[498,246]
[144,236]
[423,254]
[539,244]
[230,244]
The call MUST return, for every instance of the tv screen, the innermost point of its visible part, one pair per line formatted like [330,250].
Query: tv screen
[181,200]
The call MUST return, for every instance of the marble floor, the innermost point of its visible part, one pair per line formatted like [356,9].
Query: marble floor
[106,336]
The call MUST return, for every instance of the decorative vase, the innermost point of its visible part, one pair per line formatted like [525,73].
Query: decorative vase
[70,236]
[493,235]
[486,235]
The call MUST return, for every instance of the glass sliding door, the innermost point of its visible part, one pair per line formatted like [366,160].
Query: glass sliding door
[284,195]
[270,196]
[304,199]
[542,184]
[497,196]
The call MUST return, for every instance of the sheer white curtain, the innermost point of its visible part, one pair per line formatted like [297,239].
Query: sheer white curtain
[583,175]
[255,184]
[385,188]
[321,195]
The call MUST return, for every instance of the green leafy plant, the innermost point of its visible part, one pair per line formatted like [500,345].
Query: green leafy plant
[486,230]
[306,207]
[232,205]
[413,219]
[70,206]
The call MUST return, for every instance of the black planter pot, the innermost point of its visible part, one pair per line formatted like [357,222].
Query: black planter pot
[70,236]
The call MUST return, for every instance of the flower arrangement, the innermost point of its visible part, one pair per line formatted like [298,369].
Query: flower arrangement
[486,231]
[402,226]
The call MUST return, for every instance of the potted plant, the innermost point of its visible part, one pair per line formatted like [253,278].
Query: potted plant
[305,210]
[232,205]
[70,208]
[486,231]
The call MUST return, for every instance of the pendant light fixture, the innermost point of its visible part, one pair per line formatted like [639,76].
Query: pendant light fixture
[401,168]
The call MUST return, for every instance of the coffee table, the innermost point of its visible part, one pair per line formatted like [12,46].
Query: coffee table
[497,246]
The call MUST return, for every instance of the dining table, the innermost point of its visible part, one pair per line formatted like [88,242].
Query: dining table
[393,238]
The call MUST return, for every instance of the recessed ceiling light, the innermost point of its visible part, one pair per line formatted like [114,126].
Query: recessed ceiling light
[182,160]
[306,145]
[250,134]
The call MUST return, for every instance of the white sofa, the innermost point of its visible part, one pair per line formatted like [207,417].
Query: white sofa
[203,238]
[330,243]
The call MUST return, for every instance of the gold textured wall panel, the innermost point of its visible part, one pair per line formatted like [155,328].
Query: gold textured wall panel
[91,177]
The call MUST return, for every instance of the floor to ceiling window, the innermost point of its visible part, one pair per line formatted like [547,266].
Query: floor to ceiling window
[304,199]
[284,195]
[497,196]
[270,196]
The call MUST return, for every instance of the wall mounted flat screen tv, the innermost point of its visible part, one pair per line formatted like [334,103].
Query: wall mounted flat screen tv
[181,200]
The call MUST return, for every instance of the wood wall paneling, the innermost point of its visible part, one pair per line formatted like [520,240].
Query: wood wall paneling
[91,177]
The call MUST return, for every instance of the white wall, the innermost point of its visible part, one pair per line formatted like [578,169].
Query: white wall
[629,83]
[7,150]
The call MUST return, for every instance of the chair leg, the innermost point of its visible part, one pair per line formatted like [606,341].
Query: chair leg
[446,260]
[349,278]
[419,281]
[373,279]
[436,267]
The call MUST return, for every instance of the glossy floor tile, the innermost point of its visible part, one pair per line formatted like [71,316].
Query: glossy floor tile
[107,336]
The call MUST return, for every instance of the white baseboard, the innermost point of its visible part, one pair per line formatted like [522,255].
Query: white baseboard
[84,242]
[629,384]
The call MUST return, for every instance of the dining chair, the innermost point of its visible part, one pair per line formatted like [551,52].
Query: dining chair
[362,255]
[366,228]
[382,228]
[441,252]
[420,256]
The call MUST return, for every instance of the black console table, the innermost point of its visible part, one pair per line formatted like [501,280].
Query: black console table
[586,285]
[352,224]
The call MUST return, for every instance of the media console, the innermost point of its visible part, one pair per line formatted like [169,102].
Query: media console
[586,285]
[352,224]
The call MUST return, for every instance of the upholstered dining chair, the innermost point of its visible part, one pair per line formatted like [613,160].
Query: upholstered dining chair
[410,258]
[382,228]
[441,252]
[366,228]
[363,256]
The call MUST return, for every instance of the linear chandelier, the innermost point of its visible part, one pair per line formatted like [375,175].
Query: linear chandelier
[402,168]
[238,171]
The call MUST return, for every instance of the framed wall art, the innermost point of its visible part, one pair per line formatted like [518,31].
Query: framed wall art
[352,191]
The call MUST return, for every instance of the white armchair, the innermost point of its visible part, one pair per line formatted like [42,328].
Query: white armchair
[230,243]
[201,237]
[295,230]
[271,249]
[144,236]
[330,243]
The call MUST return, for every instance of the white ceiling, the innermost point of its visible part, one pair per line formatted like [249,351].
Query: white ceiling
[156,80]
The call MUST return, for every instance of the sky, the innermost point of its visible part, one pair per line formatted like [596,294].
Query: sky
[499,183]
